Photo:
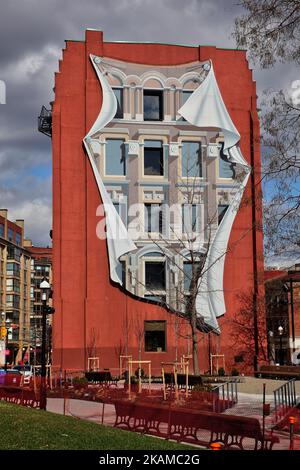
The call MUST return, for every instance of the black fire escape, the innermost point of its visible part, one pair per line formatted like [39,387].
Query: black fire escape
[45,122]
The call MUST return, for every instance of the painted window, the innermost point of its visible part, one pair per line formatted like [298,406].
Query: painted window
[190,218]
[185,94]
[153,218]
[121,271]
[155,275]
[115,161]
[121,209]
[187,273]
[153,158]
[119,95]
[190,270]
[222,208]
[226,168]
[153,105]
[191,160]
[155,336]
[2,230]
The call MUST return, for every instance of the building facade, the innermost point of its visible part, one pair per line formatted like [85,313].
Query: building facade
[41,269]
[169,181]
[283,315]
[15,283]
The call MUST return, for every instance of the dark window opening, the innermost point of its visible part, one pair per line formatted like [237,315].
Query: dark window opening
[13,253]
[239,358]
[18,239]
[10,234]
[222,209]
[153,160]
[153,105]
[155,276]
[155,336]
[119,96]
[121,271]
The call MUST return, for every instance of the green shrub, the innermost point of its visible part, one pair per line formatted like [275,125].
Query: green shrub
[80,381]
[221,371]
[235,372]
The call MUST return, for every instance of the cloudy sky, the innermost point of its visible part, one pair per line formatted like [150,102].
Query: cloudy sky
[32,34]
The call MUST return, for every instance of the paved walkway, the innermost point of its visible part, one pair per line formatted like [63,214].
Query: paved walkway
[249,405]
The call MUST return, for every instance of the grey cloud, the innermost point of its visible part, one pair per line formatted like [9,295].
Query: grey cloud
[32,34]
[32,202]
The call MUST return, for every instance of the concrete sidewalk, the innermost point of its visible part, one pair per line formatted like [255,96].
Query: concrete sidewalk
[99,413]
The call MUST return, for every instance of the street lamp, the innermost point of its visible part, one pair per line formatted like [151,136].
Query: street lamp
[4,335]
[280,332]
[271,346]
[45,288]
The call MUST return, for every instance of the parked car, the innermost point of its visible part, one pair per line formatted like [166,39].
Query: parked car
[25,370]
[11,377]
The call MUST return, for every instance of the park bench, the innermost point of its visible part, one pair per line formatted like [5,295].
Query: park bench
[101,377]
[181,380]
[280,372]
[185,425]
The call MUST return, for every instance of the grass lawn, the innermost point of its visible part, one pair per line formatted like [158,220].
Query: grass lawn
[26,429]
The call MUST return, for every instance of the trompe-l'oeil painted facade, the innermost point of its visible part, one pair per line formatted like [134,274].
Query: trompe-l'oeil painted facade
[153,147]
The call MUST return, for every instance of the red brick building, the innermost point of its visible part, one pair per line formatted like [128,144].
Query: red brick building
[94,316]
[283,314]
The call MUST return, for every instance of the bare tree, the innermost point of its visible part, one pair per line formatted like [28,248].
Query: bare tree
[186,251]
[281,167]
[242,328]
[269,29]
[120,349]
[92,342]
[138,328]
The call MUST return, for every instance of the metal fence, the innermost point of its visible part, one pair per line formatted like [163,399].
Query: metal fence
[284,399]
[225,396]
